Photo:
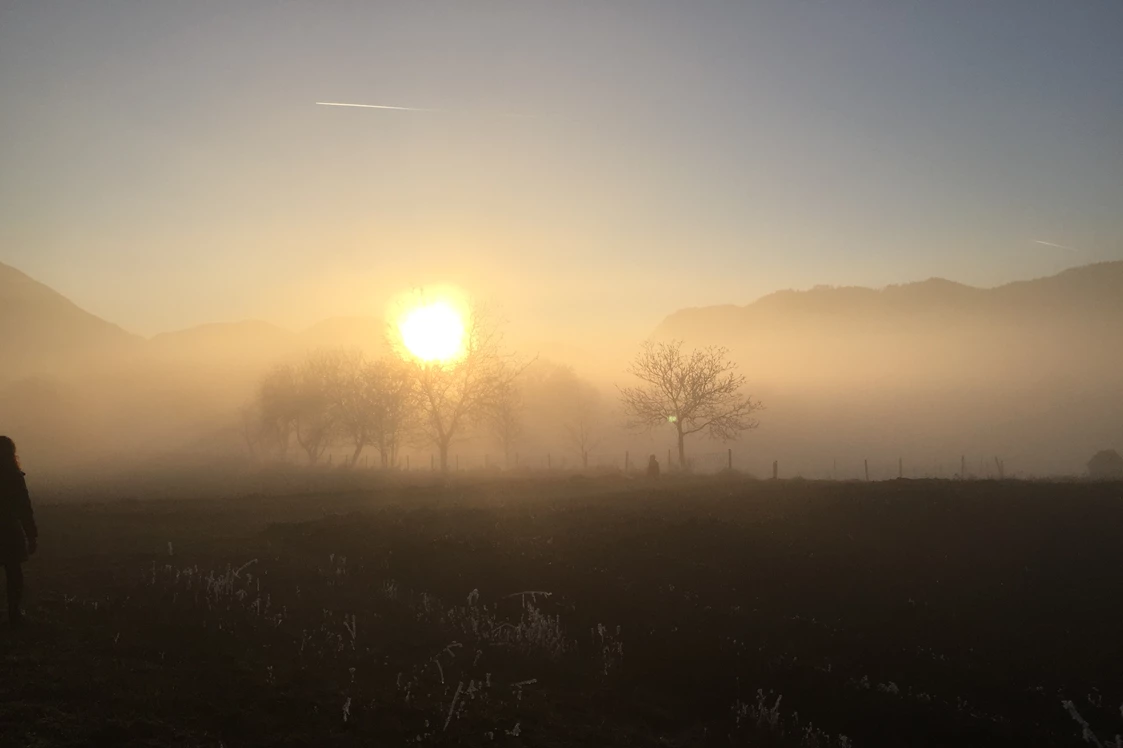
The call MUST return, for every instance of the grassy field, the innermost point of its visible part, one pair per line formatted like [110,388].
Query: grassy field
[575,611]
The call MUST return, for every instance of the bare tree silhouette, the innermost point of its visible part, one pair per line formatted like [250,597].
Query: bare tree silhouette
[392,395]
[694,392]
[317,419]
[453,394]
[334,395]
[504,417]
[277,408]
[352,400]
[250,428]
[584,424]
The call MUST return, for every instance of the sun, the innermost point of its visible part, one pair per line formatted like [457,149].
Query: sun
[433,331]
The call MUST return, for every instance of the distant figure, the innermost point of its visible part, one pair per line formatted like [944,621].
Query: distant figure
[18,534]
[652,467]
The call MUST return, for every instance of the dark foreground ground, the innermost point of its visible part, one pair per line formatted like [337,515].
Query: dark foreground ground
[704,612]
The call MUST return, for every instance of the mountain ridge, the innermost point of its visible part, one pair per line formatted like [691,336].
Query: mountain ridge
[1028,369]
[40,329]
[49,333]
[1074,288]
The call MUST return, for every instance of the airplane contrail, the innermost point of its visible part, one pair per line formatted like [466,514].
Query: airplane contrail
[1058,246]
[515,115]
[378,106]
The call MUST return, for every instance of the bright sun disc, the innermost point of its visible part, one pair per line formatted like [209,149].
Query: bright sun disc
[433,331]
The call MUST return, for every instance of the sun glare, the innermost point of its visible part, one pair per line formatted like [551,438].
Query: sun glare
[433,331]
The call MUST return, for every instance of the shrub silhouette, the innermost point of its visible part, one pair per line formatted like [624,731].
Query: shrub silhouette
[1106,465]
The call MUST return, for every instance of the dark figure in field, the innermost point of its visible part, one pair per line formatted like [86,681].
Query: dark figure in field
[18,533]
[652,467]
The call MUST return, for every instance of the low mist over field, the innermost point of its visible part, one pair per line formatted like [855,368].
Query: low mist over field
[925,372]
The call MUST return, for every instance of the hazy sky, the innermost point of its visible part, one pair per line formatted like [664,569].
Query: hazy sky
[165,164]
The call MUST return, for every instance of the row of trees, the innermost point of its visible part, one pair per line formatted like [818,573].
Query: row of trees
[342,398]
[332,397]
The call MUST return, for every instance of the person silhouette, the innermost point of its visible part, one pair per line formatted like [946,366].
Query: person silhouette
[18,534]
[652,467]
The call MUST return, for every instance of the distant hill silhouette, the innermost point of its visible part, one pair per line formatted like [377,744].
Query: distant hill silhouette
[1092,289]
[365,333]
[254,345]
[76,388]
[926,372]
[934,325]
[43,331]
[225,345]
[930,371]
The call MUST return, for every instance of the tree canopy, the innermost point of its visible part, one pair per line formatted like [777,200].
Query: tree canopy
[695,391]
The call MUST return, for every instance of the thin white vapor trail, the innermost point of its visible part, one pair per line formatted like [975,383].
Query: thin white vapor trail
[515,115]
[1058,246]
[378,106]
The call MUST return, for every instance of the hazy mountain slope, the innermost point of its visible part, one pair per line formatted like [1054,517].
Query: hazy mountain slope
[42,331]
[236,344]
[1093,289]
[924,371]
[367,334]
[935,327]
[1031,371]
[253,342]
[76,389]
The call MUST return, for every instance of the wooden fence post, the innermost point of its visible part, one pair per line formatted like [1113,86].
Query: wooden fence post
[900,467]
[731,459]
[867,464]
[775,469]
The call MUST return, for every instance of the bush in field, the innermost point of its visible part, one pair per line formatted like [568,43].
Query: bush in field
[1106,465]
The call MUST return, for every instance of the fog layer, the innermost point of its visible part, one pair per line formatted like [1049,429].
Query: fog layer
[923,379]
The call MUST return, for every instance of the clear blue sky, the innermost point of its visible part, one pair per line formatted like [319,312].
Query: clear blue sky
[164,163]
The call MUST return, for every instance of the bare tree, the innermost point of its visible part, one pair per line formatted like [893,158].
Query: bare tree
[317,415]
[696,391]
[352,399]
[453,394]
[583,422]
[393,398]
[250,426]
[277,408]
[504,417]
[334,395]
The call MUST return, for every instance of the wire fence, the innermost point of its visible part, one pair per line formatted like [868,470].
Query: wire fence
[708,462]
